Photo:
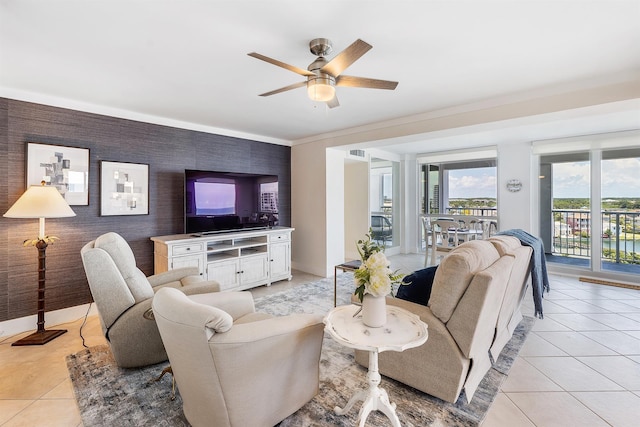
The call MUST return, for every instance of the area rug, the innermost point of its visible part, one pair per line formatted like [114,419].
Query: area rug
[108,395]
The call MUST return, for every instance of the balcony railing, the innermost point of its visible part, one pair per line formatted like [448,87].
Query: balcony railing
[480,212]
[620,237]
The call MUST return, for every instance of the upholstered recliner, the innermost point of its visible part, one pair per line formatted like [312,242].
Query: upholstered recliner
[235,367]
[465,303]
[123,297]
[510,313]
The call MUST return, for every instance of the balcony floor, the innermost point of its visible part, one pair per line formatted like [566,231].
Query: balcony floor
[585,263]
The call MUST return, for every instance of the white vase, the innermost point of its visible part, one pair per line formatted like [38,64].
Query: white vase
[374,311]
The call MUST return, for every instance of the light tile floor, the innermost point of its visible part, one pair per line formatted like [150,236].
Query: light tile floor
[580,365]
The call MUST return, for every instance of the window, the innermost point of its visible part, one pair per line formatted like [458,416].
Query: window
[460,188]
[457,183]
[590,202]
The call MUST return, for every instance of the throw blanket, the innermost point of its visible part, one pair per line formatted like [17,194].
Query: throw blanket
[539,278]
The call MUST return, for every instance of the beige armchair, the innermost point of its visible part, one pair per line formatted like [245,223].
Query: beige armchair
[123,297]
[233,366]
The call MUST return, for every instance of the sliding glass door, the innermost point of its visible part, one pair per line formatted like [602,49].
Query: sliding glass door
[565,213]
[620,205]
[590,209]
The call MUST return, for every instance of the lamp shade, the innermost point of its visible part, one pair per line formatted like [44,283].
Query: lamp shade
[40,202]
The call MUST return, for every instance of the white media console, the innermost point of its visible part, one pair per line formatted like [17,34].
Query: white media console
[237,260]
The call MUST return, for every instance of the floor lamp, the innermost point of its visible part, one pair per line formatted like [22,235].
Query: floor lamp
[40,201]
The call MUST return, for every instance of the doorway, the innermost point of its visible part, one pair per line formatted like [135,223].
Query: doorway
[590,209]
[384,202]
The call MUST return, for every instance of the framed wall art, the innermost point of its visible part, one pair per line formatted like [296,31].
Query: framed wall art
[124,188]
[66,168]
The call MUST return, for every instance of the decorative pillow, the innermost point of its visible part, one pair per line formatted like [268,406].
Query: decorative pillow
[417,286]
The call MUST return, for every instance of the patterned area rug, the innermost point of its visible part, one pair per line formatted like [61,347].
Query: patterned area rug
[108,395]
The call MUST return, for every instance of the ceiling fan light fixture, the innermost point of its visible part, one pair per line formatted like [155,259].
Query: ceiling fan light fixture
[321,89]
[323,75]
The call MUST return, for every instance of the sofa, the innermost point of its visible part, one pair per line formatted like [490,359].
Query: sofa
[472,308]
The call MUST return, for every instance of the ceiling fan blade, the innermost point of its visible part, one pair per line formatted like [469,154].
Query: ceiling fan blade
[333,102]
[281,64]
[345,58]
[284,89]
[351,81]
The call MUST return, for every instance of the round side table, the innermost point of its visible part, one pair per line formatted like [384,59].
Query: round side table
[403,330]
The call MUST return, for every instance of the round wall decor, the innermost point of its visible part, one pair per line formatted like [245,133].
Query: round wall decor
[514,185]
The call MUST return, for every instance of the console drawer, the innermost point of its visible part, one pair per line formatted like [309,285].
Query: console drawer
[279,237]
[187,249]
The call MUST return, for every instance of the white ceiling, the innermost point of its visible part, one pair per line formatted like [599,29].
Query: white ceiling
[185,63]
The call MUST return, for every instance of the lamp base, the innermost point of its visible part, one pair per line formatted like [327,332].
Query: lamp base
[40,337]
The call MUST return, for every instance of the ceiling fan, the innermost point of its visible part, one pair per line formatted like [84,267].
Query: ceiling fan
[323,75]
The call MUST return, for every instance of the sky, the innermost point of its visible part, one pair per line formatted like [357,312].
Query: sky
[620,178]
[469,183]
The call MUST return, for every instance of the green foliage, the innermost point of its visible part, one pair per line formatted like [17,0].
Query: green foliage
[359,292]
[625,257]
[367,247]
[484,202]
[608,204]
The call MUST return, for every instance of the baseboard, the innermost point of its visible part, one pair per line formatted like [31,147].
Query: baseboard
[609,283]
[52,319]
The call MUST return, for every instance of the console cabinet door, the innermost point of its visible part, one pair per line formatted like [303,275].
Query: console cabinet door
[188,261]
[280,257]
[226,273]
[254,269]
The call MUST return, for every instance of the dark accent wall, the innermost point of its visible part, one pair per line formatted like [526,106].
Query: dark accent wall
[168,151]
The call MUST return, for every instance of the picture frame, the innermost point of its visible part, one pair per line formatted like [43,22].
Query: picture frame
[124,188]
[66,168]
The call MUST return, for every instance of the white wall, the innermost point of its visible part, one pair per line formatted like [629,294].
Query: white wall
[335,209]
[308,208]
[515,209]
[410,190]
[356,214]
[317,208]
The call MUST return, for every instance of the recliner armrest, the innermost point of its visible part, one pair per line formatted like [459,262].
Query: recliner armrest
[200,287]
[266,329]
[236,303]
[173,276]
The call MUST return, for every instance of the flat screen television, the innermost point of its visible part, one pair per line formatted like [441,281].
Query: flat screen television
[223,201]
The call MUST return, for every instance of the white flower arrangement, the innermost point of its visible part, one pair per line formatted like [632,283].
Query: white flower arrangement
[374,275]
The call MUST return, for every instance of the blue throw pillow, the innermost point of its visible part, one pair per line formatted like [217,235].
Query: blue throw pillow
[418,286]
